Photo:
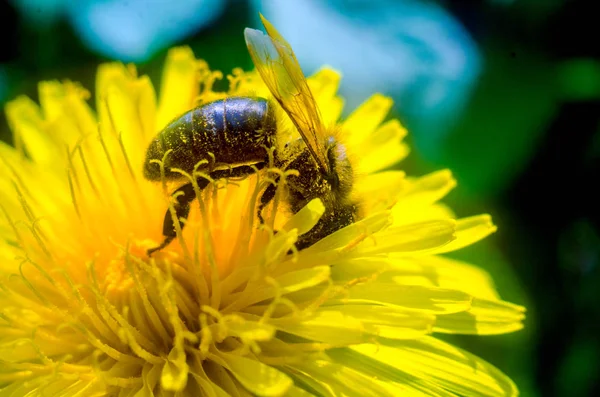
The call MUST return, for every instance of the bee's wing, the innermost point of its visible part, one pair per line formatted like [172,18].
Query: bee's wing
[279,69]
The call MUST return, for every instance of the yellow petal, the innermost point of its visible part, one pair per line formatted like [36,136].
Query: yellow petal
[424,191]
[485,317]
[316,386]
[438,362]
[419,237]
[426,299]
[361,124]
[179,85]
[286,284]
[175,371]
[126,110]
[324,85]
[306,218]
[150,379]
[65,109]
[389,321]
[25,120]
[349,235]
[215,370]
[279,246]
[342,380]
[379,191]
[295,391]
[209,388]
[64,388]
[358,268]
[415,214]
[329,326]
[373,363]
[441,272]
[384,148]
[251,330]
[258,378]
[468,231]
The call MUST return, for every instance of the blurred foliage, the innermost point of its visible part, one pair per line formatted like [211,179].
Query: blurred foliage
[526,148]
[501,129]
[579,79]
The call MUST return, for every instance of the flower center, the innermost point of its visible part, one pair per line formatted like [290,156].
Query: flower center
[117,278]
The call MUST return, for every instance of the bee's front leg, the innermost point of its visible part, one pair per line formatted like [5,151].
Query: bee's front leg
[265,198]
[184,195]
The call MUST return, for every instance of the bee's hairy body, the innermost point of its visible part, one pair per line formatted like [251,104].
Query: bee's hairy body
[232,137]
[234,130]
[334,190]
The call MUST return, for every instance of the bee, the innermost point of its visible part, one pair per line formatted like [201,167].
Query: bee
[237,132]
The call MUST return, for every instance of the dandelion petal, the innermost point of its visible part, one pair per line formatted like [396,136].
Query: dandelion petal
[258,378]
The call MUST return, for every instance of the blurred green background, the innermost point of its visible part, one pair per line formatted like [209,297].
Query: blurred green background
[505,93]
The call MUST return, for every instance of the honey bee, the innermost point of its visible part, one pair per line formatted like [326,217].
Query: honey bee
[235,134]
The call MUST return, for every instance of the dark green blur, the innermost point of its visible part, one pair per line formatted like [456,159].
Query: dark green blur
[526,150]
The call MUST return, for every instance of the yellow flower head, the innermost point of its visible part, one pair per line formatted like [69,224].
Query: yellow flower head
[230,307]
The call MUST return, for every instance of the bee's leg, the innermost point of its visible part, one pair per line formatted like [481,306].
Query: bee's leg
[246,170]
[235,172]
[184,196]
[266,198]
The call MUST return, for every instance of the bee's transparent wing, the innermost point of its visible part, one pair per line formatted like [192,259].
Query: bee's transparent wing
[275,61]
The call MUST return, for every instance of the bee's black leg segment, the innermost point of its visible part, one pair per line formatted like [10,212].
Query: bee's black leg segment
[162,245]
[266,198]
[245,170]
[234,172]
[184,196]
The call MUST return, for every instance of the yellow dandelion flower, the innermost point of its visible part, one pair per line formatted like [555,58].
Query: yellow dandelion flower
[229,308]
